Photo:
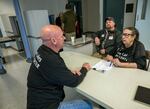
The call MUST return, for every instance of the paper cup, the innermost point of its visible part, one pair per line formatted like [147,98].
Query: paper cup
[84,38]
[73,40]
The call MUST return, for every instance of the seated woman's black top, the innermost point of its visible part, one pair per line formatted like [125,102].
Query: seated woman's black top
[135,53]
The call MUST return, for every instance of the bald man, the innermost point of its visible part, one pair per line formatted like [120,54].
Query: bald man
[48,74]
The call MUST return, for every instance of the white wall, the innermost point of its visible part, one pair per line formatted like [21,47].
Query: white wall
[143,25]
[53,6]
[6,23]
[6,7]
[129,18]
[6,10]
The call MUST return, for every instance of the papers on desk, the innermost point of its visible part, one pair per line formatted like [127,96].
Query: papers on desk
[103,66]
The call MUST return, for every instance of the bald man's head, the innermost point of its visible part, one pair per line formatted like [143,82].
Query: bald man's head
[52,37]
[49,31]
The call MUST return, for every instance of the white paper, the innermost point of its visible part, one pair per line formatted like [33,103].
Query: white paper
[103,65]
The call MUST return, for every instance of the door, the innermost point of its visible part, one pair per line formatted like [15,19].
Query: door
[114,8]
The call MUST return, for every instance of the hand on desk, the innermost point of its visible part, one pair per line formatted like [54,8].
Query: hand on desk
[87,66]
[116,62]
[77,71]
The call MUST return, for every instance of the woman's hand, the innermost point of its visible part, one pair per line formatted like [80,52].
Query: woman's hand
[116,62]
[97,41]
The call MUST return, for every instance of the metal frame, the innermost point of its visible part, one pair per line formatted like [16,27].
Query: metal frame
[147,59]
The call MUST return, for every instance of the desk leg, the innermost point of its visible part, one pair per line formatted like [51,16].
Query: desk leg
[2,70]
[101,107]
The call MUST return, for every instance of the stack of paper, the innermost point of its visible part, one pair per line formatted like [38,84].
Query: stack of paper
[103,65]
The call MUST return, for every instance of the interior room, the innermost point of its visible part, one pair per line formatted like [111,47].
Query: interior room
[20,24]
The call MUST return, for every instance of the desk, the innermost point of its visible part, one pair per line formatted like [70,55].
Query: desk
[114,89]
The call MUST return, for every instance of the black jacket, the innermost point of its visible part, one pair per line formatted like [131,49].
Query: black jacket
[108,39]
[47,76]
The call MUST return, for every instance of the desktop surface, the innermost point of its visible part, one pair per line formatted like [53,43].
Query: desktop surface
[79,42]
[114,89]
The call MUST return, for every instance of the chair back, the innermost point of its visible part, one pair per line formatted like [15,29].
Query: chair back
[147,59]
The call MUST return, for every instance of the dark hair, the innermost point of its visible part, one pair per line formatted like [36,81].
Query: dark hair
[134,32]
[110,19]
[68,6]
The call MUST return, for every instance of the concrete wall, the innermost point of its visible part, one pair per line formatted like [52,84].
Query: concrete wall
[143,25]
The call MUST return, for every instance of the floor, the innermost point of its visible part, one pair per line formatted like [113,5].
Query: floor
[13,83]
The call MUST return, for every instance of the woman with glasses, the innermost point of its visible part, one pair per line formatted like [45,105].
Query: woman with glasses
[129,53]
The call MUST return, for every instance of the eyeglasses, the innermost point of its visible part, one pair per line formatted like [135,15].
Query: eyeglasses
[126,35]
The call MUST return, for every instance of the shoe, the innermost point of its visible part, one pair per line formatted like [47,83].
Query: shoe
[2,71]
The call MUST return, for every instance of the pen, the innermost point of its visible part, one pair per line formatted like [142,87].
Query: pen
[110,64]
[94,68]
[100,70]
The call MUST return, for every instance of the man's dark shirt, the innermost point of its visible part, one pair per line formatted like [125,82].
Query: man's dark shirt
[108,39]
[135,53]
[69,20]
[47,76]
[58,21]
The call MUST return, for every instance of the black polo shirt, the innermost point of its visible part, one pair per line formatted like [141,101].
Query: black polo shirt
[47,76]
[108,39]
[135,53]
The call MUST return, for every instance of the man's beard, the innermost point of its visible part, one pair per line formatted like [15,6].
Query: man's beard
[109,28]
